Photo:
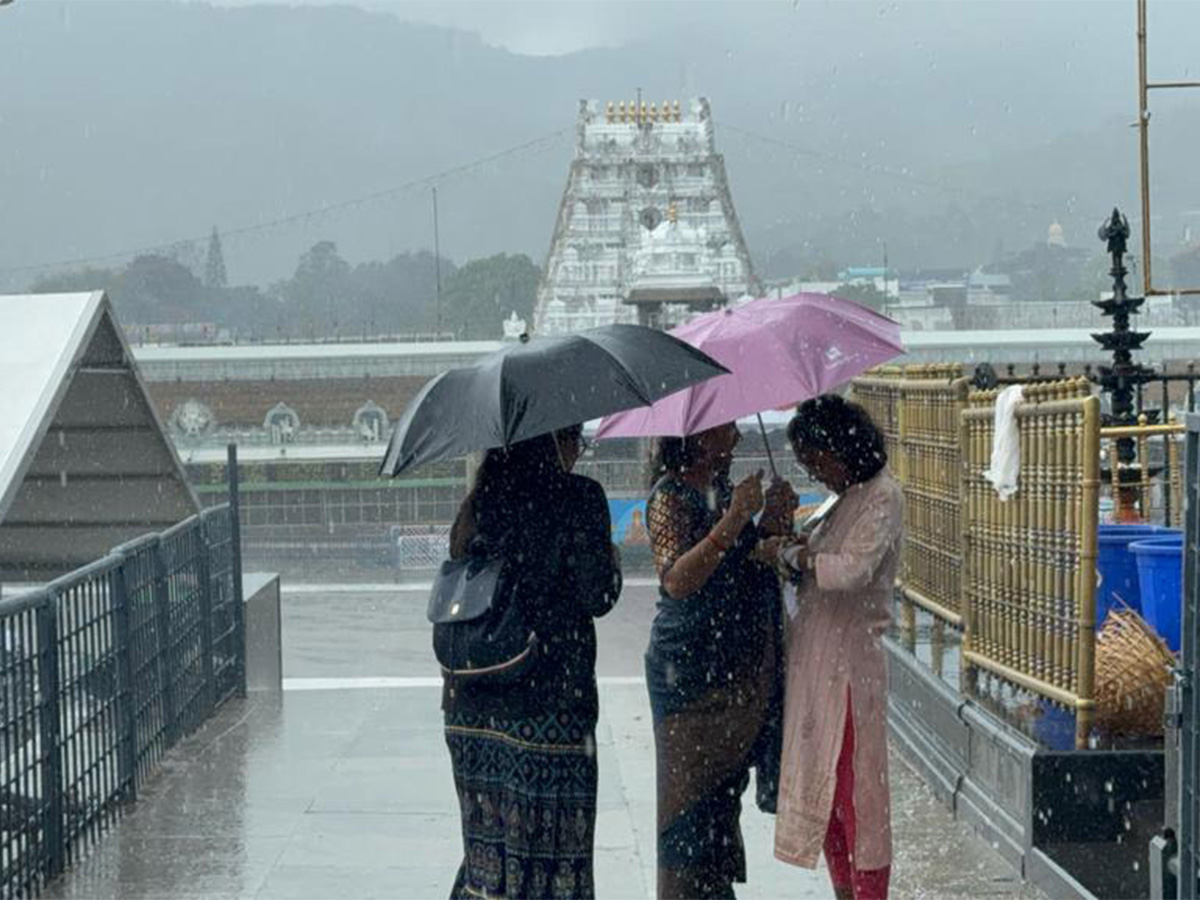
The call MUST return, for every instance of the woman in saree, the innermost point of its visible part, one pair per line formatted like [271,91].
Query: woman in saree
[710,667]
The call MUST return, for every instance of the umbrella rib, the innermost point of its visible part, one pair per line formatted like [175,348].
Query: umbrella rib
[504,425]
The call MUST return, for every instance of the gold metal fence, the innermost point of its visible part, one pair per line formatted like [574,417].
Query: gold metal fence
[1030,565]
[1155,493]
[917,408]
[878,392]
[932,400]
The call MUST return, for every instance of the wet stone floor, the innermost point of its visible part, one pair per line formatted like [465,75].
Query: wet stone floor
[340,787]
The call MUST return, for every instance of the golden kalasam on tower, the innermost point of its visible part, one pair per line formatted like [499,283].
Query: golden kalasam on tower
[642,112]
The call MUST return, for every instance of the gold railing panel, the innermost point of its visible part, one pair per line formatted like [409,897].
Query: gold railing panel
[879,392]
[1157,494]
[932,400]
[1029,565]
[917,408]
[1023,589]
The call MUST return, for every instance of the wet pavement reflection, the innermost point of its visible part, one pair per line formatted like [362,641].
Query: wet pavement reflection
[341,786]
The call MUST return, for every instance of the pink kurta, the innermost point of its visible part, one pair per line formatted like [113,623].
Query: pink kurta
[835,651]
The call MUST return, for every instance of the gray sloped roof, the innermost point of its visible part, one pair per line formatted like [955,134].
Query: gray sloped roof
[84,461]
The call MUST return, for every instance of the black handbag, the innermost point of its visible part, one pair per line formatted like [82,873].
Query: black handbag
[480,632]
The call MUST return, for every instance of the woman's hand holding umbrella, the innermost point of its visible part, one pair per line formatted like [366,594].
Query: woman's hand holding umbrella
[780,505]
[747,501]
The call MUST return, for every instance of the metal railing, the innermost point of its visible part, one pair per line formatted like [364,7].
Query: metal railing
[1186,696]
[1151,489]
[421,547]
[1019,576]
[879,392]
[931,446]
[918,409]
[1029,585]
[101,672]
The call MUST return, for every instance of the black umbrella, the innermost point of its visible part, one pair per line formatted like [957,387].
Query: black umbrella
[538,386]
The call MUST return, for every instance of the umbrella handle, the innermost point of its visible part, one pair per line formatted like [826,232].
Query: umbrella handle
[767,445]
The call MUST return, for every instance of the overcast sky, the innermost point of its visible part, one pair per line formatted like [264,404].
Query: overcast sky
[552,27]
[824,109]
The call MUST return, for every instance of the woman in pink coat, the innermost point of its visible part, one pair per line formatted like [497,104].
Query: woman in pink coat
[833,792]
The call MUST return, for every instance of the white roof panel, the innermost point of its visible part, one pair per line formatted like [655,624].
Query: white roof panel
[42,336]
[84,462]
[917,340]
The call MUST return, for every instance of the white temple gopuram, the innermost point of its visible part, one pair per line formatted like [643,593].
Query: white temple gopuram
[646,230]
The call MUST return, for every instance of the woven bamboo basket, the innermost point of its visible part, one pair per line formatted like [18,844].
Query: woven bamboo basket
[1133,670]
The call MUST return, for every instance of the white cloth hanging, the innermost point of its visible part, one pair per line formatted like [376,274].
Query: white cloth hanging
[1006,443]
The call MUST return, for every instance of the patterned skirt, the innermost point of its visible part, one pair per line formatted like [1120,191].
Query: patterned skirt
[527,793]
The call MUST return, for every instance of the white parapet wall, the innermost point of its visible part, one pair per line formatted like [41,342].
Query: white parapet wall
[264,632]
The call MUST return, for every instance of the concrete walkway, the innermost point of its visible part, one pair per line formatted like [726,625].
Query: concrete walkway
[341,786]
[347,793]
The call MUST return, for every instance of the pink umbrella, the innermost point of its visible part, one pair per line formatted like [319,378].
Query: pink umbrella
[779,352]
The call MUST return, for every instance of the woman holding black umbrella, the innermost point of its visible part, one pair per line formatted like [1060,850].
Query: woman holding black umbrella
[532,566]
[524,752]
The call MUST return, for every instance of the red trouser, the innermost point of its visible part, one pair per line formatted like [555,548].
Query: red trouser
[848,881]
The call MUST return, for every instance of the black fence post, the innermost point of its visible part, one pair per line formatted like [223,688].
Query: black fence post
[235,561]
[53,787]
[126,714]
[203,574]
[167,668]
[1188,719]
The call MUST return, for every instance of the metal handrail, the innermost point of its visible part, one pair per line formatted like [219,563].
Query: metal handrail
[102,670]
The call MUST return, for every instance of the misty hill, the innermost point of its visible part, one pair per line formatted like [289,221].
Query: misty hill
[130,125]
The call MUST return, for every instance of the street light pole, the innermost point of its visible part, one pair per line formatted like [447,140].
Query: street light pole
[437,263]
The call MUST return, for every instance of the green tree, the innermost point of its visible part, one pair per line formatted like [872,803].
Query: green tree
[71,282]
[398,296]
[478,297]
[214,265]
[156,290]
[319,297]
[824,269]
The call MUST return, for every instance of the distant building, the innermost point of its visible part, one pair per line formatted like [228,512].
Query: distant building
[280,397]
[921,316]
[1051,271]
[885,285]
[1185,266]
[646,229]
[988,289]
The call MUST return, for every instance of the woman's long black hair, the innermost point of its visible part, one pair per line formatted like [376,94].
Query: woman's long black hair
[671,456]
[513,488]
[838,426]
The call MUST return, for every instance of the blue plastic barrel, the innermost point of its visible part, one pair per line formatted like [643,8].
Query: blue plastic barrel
[1118,582]
[1054,727]
[1160,574]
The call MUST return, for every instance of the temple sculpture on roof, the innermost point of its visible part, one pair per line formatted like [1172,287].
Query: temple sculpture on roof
[646,230]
